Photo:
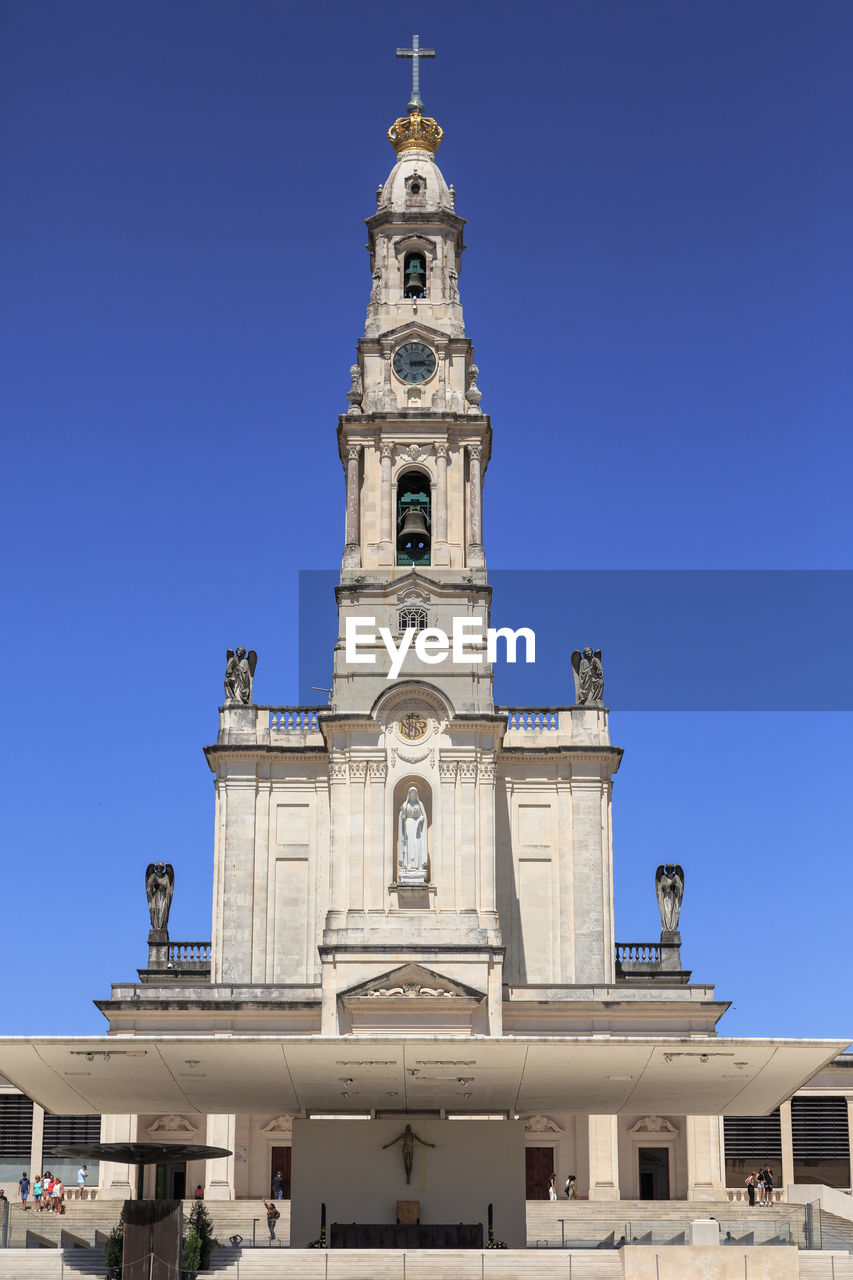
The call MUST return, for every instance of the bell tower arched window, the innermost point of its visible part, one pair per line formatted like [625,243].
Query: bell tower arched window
[414,518]
[414,274]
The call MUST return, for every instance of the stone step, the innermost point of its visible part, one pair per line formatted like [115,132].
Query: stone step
[836,1233]
[825,1266]
[426,1264]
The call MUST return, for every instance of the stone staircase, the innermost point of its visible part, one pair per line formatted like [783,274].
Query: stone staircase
[587,1222]
[88,1222]
[836,1233]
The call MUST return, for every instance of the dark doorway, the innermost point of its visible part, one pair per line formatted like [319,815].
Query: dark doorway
[280,1163]
[654,1173]
[539,1165]
[171,1182]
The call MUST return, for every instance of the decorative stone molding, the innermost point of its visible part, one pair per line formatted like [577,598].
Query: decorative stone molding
[412,981]
[467,768]
[172,1124]
[441,450]
[653,1124]
[447,770]
[338,770]
[281,1125]
[487,770]
[541,1124]
[358,769]
[413,452]
[378,770]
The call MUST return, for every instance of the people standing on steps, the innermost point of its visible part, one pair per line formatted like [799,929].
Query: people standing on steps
[278,1186]
[82,1175]
[750,1189]
[552,1187]
[273,1216]
[24,1189]
[37,1191]
[571,1189]
[768,1184]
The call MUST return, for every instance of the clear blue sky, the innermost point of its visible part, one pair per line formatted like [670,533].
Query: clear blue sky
[658,284]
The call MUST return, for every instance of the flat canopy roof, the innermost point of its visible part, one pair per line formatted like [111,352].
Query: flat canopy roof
[301,1074]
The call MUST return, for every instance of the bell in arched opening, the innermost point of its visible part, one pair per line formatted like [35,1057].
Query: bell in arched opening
[413,519]
[414,276]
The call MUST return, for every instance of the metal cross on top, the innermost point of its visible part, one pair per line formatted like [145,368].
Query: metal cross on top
[416,53]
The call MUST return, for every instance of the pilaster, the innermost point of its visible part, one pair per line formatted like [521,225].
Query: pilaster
[239,877]
[705,1176]
[221,1132]
[603,1158]
[118,1181]
[445,872]
[467,847]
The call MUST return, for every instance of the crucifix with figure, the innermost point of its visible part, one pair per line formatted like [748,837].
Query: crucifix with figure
[416,53]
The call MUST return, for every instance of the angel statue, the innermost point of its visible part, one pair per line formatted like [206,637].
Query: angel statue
[412,840]
[589,677]
[159,887]
[669,886]
[240,676]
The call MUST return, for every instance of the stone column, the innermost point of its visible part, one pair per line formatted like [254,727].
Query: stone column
[338,843]
[603,1158]
[467,900]
[443,868]
[219,1180]
[787,1136]
[352,550]
[357,775]
[386,516]
[564,835]
[590,877]
[705,1180]
[486,790]
[377,873]
[439,517]
[476,555]
[36,1142]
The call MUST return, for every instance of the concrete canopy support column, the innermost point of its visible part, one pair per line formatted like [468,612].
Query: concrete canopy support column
[118,1181]
[352,549]
[603,1158]
[787,1136]
[219,1181]
[705,1175]
[36,1142]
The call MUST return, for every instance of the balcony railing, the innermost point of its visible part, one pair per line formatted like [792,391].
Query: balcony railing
[295,719]
[638,953]
[189,956]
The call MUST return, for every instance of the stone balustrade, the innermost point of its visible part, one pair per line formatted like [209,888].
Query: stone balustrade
[294,719]
[189,955]
[638,952]
[271,726]
[739,1195]
[531,719]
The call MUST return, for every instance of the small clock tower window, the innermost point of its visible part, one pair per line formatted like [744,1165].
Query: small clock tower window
[412,618]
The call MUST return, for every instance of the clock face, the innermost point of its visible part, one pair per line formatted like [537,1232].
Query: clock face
[414,362]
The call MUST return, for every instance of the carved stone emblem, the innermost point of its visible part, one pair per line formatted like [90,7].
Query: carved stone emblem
[413,727]
[541,1124]
[653,1124]
[171,1124]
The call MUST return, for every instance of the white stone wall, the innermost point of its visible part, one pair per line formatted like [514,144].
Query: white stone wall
[473,1163]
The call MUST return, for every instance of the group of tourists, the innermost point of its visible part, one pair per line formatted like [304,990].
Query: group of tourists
[759,1186]
[48,1191]
[570,1191]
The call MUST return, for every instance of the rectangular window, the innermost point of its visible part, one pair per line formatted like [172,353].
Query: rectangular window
[16,1127]
[821,1141]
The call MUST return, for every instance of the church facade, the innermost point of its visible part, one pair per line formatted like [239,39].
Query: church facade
[413,893]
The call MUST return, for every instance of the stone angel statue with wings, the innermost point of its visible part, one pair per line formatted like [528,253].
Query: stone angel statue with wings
[240,676]
[669,886]
[589,677]
[159,887]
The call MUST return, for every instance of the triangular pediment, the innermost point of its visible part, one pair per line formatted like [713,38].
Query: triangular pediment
[412,982]
[415,328]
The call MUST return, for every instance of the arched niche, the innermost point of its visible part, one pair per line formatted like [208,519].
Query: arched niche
[414,517]
[401,787]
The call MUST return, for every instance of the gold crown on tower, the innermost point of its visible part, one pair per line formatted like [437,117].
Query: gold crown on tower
[415,132]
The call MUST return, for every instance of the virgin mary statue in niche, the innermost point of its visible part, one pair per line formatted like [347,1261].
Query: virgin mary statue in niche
[412,840]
